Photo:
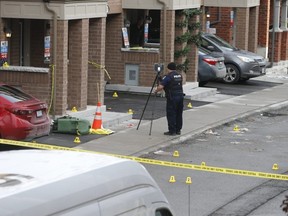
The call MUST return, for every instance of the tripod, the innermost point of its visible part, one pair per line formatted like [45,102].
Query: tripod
[155,80]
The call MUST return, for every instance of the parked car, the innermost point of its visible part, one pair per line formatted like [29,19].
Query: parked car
[211,66]
[240,64]
[22,116]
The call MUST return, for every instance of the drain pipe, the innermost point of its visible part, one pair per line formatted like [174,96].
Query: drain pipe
[219,15]
[164,29]
[54,52]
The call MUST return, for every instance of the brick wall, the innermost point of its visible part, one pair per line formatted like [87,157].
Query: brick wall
[264,20]
[220,19]
[36,84]
[277,47]
[284,48]
[146,61]
[180,18]
[192,73]
[96,85]
[115,6]
[78,64]
[113,59]
[170,35]
[116,59]
[61,66]
[253,27]
[242,28]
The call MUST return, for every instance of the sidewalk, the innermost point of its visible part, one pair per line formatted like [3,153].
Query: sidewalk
[135,142]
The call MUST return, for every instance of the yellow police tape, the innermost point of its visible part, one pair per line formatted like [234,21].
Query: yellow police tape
[202,167]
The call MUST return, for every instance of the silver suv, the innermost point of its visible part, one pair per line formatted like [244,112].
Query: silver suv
[241,65]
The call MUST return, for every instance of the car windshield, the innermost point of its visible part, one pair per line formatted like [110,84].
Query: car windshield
[12,94]
[220,42]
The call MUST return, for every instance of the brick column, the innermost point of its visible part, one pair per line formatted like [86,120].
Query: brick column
[284,48]
[253,27]
[170,36]
[242,28]
[263,27]
[78,63]
[97,33]
[277,46]
[114,40]
[61,66]
[180,30]
[192,73]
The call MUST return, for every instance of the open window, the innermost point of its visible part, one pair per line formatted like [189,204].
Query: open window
[143,27]
[26,45]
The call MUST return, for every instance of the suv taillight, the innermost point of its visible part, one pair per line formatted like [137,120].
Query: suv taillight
[210,61]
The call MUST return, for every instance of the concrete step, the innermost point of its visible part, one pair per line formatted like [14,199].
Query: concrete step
[108,118]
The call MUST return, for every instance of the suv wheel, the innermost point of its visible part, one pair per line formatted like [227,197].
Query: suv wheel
[233,74]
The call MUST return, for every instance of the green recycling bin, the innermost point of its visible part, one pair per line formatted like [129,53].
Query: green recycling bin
[71,125]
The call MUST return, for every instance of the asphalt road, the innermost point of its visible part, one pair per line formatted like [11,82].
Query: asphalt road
[260,143]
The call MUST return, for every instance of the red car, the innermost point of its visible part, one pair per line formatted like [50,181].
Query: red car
[22,116]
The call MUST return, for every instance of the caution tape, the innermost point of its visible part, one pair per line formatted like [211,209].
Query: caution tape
[155,162]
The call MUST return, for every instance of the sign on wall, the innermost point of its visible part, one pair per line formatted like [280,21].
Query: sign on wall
[125,37]
[47,49]
[4,52]
[146,29]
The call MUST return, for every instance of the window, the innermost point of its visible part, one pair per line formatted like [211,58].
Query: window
[26,45]
[154,27]
[143,27]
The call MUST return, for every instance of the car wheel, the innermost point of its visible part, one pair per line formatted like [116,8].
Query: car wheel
[233,74]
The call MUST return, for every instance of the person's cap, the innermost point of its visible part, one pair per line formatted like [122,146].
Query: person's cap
[171,66]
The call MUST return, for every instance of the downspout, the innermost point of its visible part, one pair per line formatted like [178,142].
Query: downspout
[164,29]
[219,14]
[54,53]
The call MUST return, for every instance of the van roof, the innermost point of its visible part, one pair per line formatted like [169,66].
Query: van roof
[24,169]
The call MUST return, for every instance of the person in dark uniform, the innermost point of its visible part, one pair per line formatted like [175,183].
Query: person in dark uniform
[137,33]
[172,85]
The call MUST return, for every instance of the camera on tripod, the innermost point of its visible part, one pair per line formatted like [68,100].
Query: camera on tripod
[158,67]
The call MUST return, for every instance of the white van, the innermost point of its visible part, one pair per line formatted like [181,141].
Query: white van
[66,183]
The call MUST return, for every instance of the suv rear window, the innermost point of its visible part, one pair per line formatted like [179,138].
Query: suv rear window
[220,42]
[12,94]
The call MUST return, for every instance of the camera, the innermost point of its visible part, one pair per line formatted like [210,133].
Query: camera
[158,67]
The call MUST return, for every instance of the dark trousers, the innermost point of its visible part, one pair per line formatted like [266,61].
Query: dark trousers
[174,113]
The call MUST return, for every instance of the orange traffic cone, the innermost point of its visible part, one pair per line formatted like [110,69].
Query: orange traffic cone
[97,122]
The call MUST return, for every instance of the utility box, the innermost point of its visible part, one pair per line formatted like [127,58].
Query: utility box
[132,74]
[71,125]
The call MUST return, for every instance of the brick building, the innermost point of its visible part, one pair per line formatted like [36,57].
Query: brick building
[58,48]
